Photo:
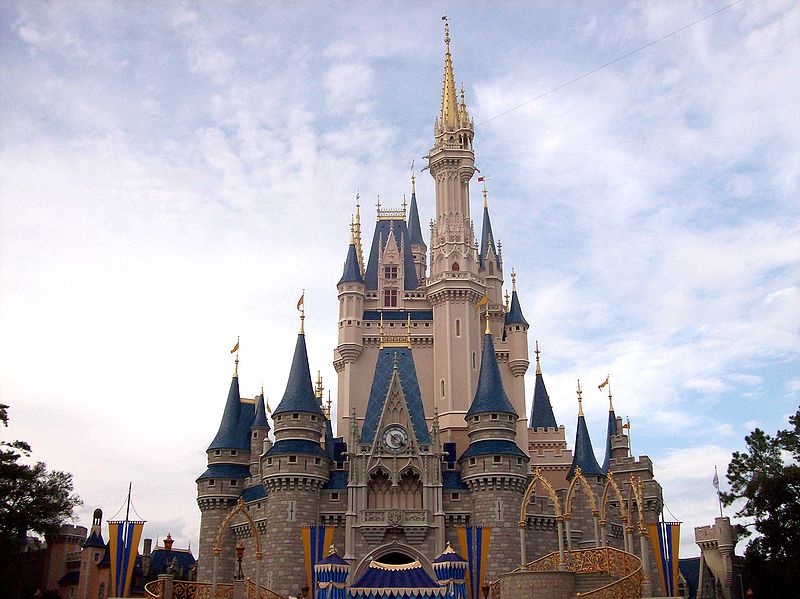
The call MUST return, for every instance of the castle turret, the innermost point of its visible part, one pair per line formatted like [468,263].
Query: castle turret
[493,466]
[453,286]
[259,434]
[293,471]
[612,431]
[583,456]
[515,333]
[91,553]
[418,247]
[489,260]
[220,485]
[351,306]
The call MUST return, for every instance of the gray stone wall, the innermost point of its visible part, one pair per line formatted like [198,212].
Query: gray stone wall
[499,508]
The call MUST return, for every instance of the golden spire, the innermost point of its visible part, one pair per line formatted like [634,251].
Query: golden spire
[408,328]
[506,300]
[513,280]
[610,404]
[537,352]
[405,206]
[487,331]
[580,401]
[236,359]
[318,390]
[301,305]
[485,192]
[449,101]
[413,179]
[352,232]
[328,409]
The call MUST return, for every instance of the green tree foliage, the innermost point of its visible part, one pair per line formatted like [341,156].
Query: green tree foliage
[767,477]
[32,500]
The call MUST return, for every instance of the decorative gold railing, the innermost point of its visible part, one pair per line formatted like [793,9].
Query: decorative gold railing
[184,589]
[606,560]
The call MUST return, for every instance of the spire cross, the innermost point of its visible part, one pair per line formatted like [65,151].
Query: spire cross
[538,364]
[580,401]
[610,404]
[413,178]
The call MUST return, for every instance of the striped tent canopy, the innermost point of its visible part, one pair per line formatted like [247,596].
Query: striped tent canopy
[451,571]
[331,576]
[389,581]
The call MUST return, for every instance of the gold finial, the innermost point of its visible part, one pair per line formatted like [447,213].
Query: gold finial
[488,330]
[328,411]
[405,205]
[357,235]
[449,102]
[485,194]
[506,300]
[301,305]
[318,390]
[538,364]
[378,204]
[394,361]
[236,359]
[408,328]
[513,280]
[610,403]
[352,232]
[332,550]
[580,401]
[413,179]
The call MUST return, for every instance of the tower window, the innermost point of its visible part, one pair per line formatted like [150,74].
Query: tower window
[455,496]
[390,272]
[458,328]
[292,459]
[455,267]
[495,416]
[497,459]
[233,452]
[473,461]
[211,482]
[491,268]
[234,483]
[473,360]
[217,452]
[313,418]
[295,416]
[255,434]
[441,384]
[317,461]
[390,298]
[334,497]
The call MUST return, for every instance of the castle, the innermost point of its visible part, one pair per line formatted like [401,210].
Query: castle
[434,434]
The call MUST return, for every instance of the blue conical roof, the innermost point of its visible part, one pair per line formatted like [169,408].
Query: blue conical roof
[542,411]
[260,420]
[299,395]
[612,431]
[583,456]
[95,540]
[230,434]
[487,239]
[514,314]
[490,395]
[414,230]
[352,270]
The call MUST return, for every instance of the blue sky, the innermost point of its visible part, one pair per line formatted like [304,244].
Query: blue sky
[172,175]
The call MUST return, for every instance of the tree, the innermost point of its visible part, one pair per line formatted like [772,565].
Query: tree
[32,499]
[767,477]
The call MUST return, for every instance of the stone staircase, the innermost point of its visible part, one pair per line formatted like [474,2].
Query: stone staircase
[591,581]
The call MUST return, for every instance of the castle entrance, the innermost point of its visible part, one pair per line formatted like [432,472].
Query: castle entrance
[396,558]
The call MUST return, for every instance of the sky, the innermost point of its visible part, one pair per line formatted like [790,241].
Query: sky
[173,175]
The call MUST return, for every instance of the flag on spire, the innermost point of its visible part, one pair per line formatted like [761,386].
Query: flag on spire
[301,301]
[603,384]
[235,347]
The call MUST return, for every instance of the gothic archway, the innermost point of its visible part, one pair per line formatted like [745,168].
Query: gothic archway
[393,549]
[239,508]
[579,479]
[523,513]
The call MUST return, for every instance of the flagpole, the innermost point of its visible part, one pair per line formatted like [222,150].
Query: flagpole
[719,497]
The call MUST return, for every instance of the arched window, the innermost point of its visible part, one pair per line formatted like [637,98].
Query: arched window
[491,268]
[455,267]
[473,360]
[441,385]
[458,328]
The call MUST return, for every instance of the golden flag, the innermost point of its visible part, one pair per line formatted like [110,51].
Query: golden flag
[603,384]
[269,410]
[484,301]
[301,301]
[235,347]
[627,425]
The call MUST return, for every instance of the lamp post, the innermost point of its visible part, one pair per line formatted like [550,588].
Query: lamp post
[168,547]
[239,556]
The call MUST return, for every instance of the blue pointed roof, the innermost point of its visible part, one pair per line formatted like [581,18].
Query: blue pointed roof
[260,419]
[380,237]
[299,395]
[333,559]
[583,455]
[234,430]
[95,540]
[352,270]
[542,411]
[407,372]
[514,314]
[612,431]
[487,239]
[490,395]
[414,230]
[448,555]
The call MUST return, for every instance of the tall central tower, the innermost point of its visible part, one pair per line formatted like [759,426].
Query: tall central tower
[454,285]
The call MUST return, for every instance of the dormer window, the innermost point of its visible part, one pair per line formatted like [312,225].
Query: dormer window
[292,459]
[473,461]
[497,459]
[495,416]
[233,452]
[390,272]
[295,416]
[313,418]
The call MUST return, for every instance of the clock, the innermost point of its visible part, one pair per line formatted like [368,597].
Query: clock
[395,438]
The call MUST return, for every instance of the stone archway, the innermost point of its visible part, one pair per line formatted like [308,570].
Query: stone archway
[239,508]
[579,482]
[523,513]
[394,548]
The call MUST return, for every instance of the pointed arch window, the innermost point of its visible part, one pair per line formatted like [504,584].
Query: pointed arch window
[455,267]
[441,385]
[458,328]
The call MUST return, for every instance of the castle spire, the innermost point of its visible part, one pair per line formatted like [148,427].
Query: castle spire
[514,314]
[583,457]
[449,115]
[611,430]
[414,229]
[487,237]
[299,395]
[490,395]
[260,420]
[357,235]
[542,411]
[230,434]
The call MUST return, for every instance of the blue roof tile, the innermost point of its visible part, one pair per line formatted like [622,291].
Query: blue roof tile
[583,455]
[385,577]
[414,230]
[487,240]
[490,395]
[514,314]
[260,420]
[451,481]
[542,411]
[611,431]
[493,447]
[254,493]
[231,471]
[95,540]
[352,271]
[337,481]
[407,372]
[299,395]
[234,430]
[332,559]
[296,446]
[183,558]
[381,236]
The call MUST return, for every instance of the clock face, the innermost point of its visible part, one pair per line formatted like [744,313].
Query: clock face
[395,438]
